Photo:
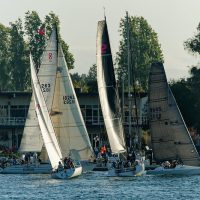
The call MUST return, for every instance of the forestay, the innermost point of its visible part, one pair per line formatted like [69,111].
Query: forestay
[108,91]
[170,137]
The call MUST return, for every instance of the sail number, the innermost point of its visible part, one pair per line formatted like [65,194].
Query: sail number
[68,99]
[45,87]
[50,57]
[155,113]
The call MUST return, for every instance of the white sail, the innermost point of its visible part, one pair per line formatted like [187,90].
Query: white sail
[45,123]
[48,69]
[31,139]
[108,92]
[66,116]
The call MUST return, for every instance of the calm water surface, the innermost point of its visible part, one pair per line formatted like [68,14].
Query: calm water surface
[96,185]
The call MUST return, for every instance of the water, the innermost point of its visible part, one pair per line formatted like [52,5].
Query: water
[96,185]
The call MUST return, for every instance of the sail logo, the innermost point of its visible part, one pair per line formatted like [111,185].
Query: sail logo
[70,99]
[45,87]
[103,48]
[50,57]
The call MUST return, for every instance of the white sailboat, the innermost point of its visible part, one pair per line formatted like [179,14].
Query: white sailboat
[32,139]
[171,141]
[65,114]
[108,94]
[48,133]
[67,118]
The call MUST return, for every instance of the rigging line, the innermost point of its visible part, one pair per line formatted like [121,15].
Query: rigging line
[134,66]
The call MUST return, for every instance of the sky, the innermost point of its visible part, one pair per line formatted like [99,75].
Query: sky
[174,21]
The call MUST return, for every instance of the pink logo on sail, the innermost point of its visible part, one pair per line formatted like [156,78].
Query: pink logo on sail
[103,48]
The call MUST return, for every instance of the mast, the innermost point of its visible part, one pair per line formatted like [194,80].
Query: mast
[129,80]
[137,143]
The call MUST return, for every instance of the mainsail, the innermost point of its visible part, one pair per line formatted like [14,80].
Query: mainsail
[108,91]
[44,120]
[32,139]
[170,137]
[66,116]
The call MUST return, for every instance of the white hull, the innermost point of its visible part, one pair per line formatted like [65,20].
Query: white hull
[67,173]
[27,169]
[138,170]
[178,170]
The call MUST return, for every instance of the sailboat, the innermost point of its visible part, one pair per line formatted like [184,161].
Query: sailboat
[109,99]
[171,141]
[67,118]
[48,133]
[32,138]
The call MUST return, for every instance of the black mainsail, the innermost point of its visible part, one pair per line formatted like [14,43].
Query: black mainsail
[108,91]
[170,137]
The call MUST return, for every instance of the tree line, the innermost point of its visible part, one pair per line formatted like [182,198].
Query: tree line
[187,90]
[18,40]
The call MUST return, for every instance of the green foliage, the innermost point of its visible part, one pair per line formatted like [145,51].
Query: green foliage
[80,81]
[92,74]
[193,44]
[187,93]
[36,41]
[87,83]
[14,50]
[144,49]
[68,56]
[18,62]
[4,49]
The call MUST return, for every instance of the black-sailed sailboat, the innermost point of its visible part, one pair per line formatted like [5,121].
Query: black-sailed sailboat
[109,99]
[171,141]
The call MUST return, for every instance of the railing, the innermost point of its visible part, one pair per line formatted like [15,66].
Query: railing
[95,121]
[12,121]
[20,121]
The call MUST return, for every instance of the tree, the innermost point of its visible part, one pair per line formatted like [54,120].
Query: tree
[33,25]
[187,94]
[144,49]
[18,62]
[92,74]
[92,79]
[68,56]
[36,40]
[80,81]
[185,100]
[193,44]
[4,45]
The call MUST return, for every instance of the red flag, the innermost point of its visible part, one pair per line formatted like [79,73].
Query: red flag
[41,31]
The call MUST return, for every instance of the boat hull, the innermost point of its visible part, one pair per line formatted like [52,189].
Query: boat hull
[67,173]
[138,170]
[87,166]
[178,170]
[27,169]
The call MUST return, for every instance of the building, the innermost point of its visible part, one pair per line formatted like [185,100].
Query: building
[14,108]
